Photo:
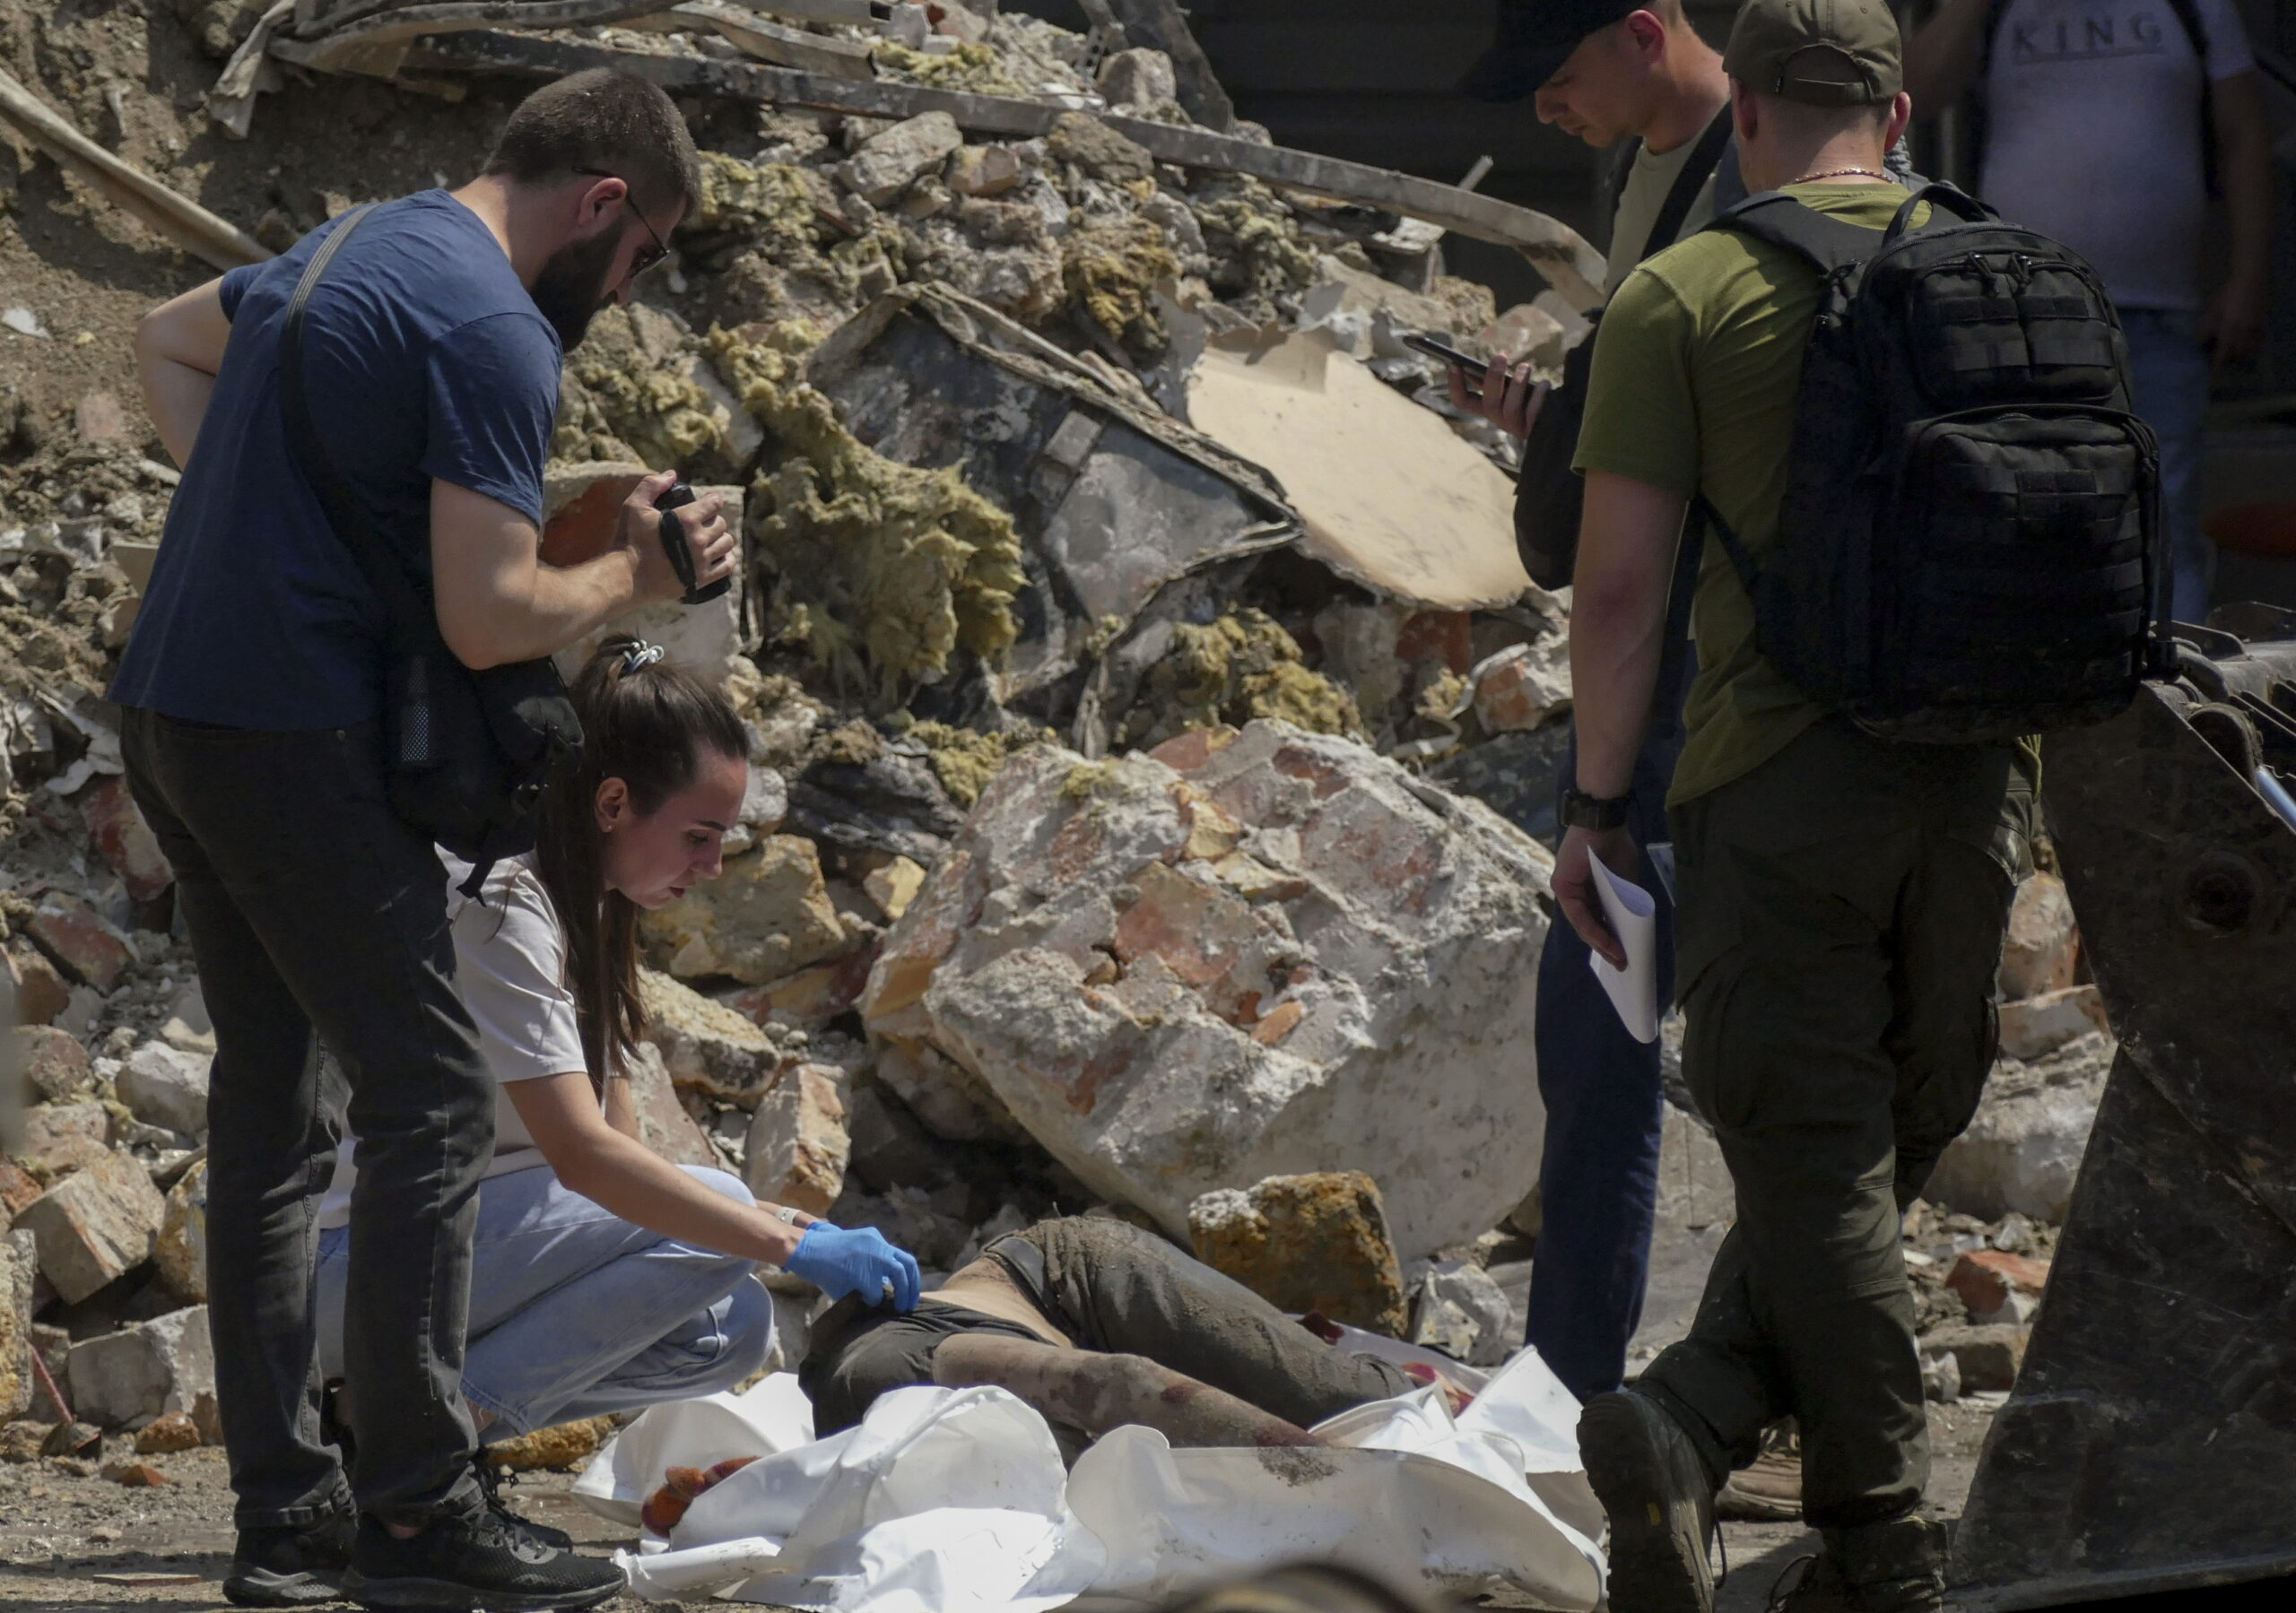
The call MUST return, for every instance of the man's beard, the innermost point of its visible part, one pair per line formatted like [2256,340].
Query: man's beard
[572,289]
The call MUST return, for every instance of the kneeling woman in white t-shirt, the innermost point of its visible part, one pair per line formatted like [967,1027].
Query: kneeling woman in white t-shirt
[604,1277]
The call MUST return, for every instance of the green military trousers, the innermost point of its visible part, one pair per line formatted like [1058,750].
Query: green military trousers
[1842,916]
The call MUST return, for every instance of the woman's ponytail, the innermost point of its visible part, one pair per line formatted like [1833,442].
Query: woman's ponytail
[649,724]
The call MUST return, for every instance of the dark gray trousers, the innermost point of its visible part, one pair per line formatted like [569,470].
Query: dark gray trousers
[312,907]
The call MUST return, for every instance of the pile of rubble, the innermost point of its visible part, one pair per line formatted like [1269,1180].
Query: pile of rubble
[1152,732]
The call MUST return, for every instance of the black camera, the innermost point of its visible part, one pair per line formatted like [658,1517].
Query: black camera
[681,553]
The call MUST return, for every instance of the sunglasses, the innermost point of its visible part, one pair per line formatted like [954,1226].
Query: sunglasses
[651,255]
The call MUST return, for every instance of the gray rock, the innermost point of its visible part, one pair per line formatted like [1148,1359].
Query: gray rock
[165,1085]
[94,1226]
[161,1366]
[2023,1151]
[1250,955]
[1459,1308]
[888,163]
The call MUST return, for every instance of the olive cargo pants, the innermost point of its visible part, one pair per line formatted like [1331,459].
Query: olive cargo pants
[1842,916]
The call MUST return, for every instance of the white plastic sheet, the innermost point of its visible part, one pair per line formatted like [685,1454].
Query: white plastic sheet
[955,1501]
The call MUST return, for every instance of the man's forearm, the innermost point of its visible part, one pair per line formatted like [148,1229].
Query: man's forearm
[562,605]
[1618,623]
[1941,59]
[2247,201]
[178,396]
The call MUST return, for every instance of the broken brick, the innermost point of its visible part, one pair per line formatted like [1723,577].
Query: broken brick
[123,840]
[1996,1285]
[168,1432]
[42,993]
[83,947]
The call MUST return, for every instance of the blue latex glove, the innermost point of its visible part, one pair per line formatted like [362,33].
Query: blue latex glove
[861,1261]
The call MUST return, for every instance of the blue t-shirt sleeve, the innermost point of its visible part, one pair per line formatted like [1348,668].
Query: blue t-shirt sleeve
[493,389]
[235,286]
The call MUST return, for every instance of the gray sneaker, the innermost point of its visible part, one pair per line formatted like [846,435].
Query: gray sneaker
[1660,1500]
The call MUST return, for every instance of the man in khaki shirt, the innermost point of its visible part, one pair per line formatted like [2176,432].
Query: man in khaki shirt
[1843,898]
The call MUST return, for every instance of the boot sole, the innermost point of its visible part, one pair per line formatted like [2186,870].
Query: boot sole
[262,1587]
[451,1596]
[1658,1558]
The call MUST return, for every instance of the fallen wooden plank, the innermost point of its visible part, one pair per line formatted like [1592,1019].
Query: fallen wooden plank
[341,40]
[767,41]
[1566,260]
[177,217]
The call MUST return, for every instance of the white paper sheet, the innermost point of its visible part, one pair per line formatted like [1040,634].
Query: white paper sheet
[1633,991]
[955,1501]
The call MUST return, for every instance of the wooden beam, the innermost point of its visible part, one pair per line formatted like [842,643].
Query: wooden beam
[1560,255]
[768,41]
[181,220]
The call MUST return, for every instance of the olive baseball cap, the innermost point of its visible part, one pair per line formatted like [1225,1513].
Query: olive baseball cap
[1823,53]
[1535,39]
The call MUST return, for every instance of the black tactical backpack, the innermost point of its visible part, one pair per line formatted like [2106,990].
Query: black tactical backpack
[1968,546]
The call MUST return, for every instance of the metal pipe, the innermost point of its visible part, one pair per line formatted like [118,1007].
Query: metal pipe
[2277,795]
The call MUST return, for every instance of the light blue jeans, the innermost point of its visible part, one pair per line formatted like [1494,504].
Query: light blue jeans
[575,1313]
[2170,370]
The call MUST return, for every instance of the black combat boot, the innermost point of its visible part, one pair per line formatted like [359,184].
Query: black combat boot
[1893,1567]
[1659,1497]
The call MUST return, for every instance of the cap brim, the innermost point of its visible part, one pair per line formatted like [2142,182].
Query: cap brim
[1510,72]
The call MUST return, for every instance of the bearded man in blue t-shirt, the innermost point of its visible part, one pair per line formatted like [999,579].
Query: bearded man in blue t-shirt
[253,690]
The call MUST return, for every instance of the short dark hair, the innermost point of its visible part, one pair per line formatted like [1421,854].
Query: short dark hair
[605,120]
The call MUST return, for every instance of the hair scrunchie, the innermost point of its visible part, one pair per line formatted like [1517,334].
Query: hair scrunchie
[641,653]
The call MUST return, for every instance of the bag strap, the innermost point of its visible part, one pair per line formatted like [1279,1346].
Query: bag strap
[1826,242]
[383,568]
[1697,169]
[1939,195]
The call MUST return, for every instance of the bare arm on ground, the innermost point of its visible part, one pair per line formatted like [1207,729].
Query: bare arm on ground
[179,350]
[499,601]
[1097,1392]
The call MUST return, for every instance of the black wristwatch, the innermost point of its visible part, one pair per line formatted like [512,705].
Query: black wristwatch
[1582,811]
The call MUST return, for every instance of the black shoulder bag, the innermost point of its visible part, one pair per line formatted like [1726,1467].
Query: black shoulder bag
[1549,495]
[467,752]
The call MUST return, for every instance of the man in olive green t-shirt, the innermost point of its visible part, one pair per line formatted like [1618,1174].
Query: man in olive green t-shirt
[1842,899]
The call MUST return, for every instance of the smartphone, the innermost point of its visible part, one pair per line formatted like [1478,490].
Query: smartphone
[1420,343]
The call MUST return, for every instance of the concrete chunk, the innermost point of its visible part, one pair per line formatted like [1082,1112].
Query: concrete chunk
[1458,1309]
[55,1064]
[1311,1243]
[663,1124]
[180,1251]
[145,1371]
[767,916]
[165,1085]
[2042,948]
[63,1138]
[1263,953]
[890,162]
[798,1147]
[706,1048]
[19,1269]
[96,1224]
[2043,1024]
